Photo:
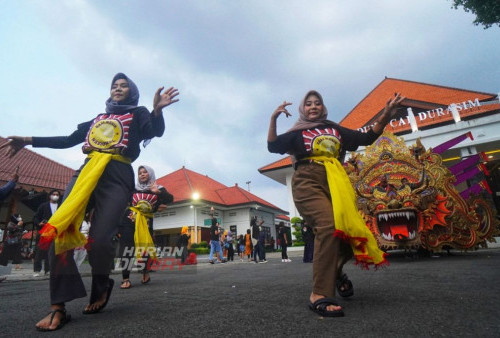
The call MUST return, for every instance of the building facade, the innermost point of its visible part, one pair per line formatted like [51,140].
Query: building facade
[194,196]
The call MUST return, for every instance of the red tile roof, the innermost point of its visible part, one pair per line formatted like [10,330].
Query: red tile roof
[35,171]
[433,95]
[183,183]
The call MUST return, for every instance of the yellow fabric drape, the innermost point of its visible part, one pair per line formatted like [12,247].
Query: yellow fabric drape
[142,237]
[349,225]
[64,225]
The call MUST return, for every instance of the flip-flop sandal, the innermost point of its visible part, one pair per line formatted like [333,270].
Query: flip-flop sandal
[99,308]
[319,307]
[126,284]
[146,281]
[64,319]
[344,282]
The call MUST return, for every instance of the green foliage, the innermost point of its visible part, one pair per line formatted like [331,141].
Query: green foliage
[199,251]
[296,220]
[487,11]
[202,244]
[298,234]
[298,243]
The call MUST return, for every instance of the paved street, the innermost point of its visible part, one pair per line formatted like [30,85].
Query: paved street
[452,296]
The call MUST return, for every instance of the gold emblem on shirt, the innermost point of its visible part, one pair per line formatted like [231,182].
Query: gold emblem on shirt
[105,134]
[326,145]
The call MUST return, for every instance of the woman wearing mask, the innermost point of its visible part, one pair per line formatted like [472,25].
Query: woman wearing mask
[111,142]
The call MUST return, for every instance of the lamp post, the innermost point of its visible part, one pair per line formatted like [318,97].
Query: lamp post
[195,198]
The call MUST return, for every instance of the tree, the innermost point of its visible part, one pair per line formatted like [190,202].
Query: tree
[487,11]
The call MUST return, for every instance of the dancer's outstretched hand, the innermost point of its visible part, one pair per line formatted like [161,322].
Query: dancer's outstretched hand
[13,145]
[162,100]
[281,109]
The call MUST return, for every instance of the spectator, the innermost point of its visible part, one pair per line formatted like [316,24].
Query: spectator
[182,243]
[42,215]
[80,253]
[229,246]
[308,237]
[284,242]
[12,244]
[215,246]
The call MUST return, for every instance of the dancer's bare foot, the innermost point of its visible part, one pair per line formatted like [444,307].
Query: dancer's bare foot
[53,320]
[314,297]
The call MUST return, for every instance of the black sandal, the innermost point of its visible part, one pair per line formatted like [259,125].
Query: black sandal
[99,308]
[319,307]
[126,284]
[344,282]
[64,319]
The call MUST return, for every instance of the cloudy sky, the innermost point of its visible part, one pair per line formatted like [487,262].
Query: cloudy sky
[233,62]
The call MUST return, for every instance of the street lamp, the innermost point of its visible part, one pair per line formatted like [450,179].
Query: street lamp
[195,198]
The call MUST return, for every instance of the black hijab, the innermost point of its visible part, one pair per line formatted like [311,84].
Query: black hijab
[129,103]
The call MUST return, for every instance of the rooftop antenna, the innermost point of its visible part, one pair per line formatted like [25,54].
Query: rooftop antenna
[248,185]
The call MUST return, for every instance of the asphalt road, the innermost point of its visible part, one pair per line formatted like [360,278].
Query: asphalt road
[450,296]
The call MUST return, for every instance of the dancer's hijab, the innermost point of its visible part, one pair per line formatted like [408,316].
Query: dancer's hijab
[130,101]
[152,179]
[303,123]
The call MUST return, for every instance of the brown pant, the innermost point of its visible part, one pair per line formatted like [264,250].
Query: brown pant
[313,201]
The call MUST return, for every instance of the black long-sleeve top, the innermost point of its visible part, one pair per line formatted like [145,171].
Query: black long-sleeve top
[304,143]
[143,125]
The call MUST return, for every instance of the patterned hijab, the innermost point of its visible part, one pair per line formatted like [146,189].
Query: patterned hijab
[303,123]
[130,101]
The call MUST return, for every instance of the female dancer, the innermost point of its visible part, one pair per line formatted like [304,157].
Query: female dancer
[104,182]
[319,182]
[136,229]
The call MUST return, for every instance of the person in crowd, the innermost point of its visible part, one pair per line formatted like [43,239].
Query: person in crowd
[255,228]
[283,236]
[323,194]
[215,247]
[13,243]
[7,188]
[248,245]
[308,237]
[40,218]
[80,252]
[182,243]
[272,244]
[136,228]
[111,142]
[262,246]
[241,247]
[229,244]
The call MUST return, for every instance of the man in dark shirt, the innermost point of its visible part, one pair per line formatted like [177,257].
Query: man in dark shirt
[215,231]
[41,217]
[257,240]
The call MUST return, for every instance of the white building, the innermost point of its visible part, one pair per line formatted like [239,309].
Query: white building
[195,194]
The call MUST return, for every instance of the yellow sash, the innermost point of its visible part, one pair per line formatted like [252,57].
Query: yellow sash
[142,237]
[349,225]
[64,225]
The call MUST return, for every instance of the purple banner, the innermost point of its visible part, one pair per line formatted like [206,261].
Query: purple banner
[480,168]
[448,144]
[467,163]
[475,189]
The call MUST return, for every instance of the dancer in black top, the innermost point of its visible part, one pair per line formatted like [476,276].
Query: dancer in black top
[147,199]
[104,182]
